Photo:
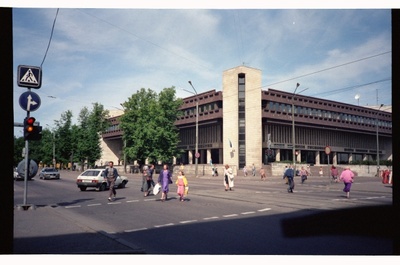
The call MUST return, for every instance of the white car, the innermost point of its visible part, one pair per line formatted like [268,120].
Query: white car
[93,178]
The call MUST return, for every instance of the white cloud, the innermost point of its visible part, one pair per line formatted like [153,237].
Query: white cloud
[106,55]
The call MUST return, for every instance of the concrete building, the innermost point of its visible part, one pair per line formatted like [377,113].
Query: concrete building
[244,125]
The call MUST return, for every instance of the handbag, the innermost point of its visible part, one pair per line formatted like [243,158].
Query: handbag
[156,189]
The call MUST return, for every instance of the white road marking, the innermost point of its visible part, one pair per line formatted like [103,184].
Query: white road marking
[74,206]
[230,215]
[164,225]
[209,218]
[188,221]
[94,204]
[135,230]
[248,213]
[265,209]
[133,201]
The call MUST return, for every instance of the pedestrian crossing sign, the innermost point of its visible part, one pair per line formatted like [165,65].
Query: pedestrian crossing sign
[29,76]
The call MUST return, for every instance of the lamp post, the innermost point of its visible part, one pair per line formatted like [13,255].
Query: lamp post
[377,142]
[54,149]
[293,131]
[197,130]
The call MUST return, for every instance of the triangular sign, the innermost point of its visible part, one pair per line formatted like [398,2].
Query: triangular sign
[29,77]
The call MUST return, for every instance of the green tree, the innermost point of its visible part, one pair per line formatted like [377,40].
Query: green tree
[88,134]
[19,145]
[148,125]
[64,138]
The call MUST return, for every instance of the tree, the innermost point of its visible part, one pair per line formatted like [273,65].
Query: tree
[64,138]
[148,125]
[88,134]
[19,144]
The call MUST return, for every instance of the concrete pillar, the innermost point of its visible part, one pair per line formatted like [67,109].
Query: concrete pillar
[317,161]
[209,156]
[278,155]
[190,156]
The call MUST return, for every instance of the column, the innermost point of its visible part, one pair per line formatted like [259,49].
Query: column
[190,155]
[278,154]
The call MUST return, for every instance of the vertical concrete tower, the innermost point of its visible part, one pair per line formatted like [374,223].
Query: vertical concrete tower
[242,128]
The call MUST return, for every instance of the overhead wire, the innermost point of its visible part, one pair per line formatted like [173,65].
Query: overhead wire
[329,68]
[51,37]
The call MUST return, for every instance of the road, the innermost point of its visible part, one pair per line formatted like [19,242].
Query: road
[257,217]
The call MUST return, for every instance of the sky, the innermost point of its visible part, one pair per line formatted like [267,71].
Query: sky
[104,55]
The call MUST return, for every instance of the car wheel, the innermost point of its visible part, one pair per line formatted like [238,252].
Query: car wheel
[122,185]
[103,187]
[82,188]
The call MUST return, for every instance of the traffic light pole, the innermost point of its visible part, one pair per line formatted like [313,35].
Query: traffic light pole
[26,171]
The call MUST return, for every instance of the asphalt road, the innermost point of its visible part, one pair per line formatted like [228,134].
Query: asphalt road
[257,218]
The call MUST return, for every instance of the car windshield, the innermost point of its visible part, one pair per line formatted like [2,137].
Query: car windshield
[92,173]
[49,170]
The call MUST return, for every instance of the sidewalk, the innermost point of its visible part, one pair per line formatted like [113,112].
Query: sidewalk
[45,230]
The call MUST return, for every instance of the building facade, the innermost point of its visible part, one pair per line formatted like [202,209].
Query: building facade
[244,125]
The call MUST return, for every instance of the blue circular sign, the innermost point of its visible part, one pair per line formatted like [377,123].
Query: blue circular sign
[29,101]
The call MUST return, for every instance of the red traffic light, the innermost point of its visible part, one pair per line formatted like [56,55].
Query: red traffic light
[31,131]
[29,122]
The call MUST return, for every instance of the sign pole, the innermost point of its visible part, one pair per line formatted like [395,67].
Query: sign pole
[26,167]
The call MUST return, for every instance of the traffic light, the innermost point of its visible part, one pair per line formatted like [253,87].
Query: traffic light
[32,131]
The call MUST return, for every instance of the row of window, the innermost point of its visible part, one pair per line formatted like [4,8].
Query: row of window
[287,108]
[202,108]
[318,137]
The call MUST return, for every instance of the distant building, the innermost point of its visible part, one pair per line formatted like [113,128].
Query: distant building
[243,124]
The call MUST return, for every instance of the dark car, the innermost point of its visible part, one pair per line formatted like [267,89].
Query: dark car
[49,173]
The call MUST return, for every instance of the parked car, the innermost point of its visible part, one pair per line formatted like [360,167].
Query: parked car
[49,173]
[93,178]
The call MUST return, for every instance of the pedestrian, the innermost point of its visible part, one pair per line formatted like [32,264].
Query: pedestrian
[111,174]
[303,174]
[146,180]
[152,170]
[308,171]
[253,170]
[334,173]
[284,175]
[321,172]
[245,171]
[228,178]
[347,177]
[215,171]
[165,178]
[289,173]
[262,174]
[182,186]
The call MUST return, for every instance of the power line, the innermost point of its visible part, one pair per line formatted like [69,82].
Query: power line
[330,68]
[51,37]
[331,92]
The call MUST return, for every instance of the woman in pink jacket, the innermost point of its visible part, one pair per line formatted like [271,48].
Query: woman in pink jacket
[347,177]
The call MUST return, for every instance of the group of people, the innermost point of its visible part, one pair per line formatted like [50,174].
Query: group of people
[165,179]
[347,176]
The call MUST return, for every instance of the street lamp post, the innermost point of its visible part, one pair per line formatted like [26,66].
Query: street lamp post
[54,149]
[377,142]
[197,130]
[293,131]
